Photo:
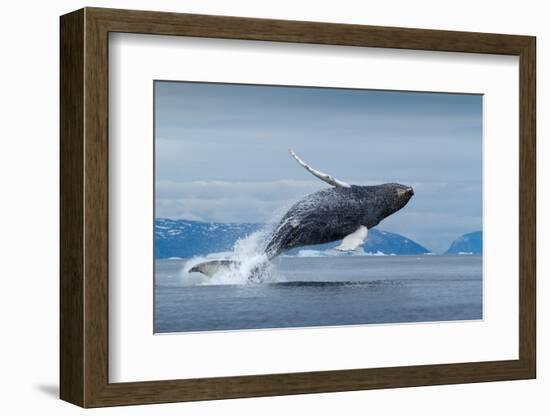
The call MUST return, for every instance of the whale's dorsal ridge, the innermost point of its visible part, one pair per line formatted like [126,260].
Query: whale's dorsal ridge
[331,180]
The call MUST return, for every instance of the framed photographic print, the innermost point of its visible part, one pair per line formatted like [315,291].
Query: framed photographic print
[255,207]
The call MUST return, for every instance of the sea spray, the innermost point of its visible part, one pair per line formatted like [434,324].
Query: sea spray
[249,264]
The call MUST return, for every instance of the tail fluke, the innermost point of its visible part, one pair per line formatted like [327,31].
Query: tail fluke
[210,268]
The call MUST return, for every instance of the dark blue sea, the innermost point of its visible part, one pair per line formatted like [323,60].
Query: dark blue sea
[320,291]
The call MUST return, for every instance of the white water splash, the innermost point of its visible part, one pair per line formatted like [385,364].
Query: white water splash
[250,264]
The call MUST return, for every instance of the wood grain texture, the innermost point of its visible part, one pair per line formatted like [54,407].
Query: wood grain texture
[71,213]
[84,207]
[162,23]
[96,208]
[528,208]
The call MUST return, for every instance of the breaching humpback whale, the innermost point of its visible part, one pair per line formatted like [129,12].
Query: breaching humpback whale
[343,212]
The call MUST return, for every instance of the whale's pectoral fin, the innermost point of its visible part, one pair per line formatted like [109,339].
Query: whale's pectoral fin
[331,180]
[353,240]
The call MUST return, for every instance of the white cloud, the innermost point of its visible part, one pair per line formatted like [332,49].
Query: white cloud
[230,201]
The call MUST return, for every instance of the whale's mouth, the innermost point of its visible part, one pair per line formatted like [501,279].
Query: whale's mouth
[406,192]
[404,195]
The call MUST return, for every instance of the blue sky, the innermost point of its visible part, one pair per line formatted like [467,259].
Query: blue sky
[221,152]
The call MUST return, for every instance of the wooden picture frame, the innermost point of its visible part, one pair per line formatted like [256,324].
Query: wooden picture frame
[84,207]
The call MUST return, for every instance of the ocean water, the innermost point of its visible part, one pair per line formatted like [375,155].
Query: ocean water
[321,291]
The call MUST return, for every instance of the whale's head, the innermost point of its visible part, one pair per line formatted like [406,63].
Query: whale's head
[393,197]
[401,194]
[381,201]
[376,202]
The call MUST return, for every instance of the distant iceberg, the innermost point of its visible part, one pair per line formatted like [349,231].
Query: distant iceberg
[335,253]
[221,255]
[311,253]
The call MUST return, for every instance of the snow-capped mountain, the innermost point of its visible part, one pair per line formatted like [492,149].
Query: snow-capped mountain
[185,239]
[471,243]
